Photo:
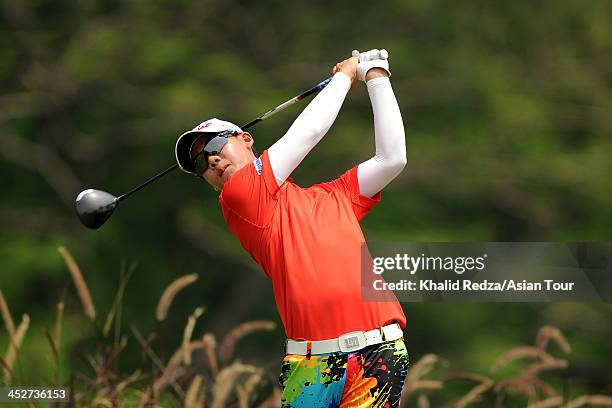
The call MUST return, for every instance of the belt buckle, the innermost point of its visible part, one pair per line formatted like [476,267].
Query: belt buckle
[352,341]
[389,331]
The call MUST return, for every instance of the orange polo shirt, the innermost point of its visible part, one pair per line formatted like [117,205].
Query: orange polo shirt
[308,242]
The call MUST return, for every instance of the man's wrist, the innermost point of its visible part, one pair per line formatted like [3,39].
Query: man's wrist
[349,76]
[375,73]
[344,77]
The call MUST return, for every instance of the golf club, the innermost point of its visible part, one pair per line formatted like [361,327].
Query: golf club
[94,207]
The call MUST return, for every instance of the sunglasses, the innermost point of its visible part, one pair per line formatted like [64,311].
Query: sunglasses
[212,148]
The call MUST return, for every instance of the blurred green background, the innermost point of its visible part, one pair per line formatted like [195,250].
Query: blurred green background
[507,109]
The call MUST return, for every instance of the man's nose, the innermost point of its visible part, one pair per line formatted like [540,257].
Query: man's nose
[213,160]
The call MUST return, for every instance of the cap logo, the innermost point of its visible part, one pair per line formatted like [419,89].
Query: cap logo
[205,125]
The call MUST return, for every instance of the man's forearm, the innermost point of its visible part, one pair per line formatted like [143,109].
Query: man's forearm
[309,128]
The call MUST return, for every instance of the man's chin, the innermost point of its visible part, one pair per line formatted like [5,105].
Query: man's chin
[227,173]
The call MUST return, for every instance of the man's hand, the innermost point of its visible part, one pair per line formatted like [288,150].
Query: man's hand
[374,54]
[372,64]
[348,67]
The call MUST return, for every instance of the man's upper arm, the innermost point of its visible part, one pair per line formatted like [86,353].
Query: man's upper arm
[348,184]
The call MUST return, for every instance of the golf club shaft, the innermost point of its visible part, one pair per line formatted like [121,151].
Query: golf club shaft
[290,102]
[266,115]
[146,183]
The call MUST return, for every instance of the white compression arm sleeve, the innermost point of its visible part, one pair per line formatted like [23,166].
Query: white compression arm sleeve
[309,128]
[390,158]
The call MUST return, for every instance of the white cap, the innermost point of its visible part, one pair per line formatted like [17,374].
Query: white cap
[182,150]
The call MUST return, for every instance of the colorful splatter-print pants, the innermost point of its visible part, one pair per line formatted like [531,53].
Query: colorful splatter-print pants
[371,377]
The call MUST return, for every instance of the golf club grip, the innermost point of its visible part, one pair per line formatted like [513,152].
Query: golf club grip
[315,88]
[290,102]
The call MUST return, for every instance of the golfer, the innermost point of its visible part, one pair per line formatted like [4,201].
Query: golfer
[341,350]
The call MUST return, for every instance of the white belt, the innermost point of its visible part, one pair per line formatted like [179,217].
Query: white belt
[347,342]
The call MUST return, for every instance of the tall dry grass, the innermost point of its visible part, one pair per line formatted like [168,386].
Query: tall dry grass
[228,379]
[526,389]
[6,316]
[195,396]
[199,373]
[13,348]
[79,283]
[170,293]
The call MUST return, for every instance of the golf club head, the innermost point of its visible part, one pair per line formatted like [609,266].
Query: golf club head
[94,207]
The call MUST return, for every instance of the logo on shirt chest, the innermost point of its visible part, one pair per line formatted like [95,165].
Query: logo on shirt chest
[258,165]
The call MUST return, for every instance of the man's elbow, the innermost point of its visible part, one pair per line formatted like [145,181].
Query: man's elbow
[397,163]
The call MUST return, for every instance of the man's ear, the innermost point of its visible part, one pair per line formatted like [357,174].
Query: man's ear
[247,138]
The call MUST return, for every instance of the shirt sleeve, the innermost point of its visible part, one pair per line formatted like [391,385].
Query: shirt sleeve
[250,194]
[348,185]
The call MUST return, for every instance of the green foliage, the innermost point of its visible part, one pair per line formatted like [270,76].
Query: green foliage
[507,113]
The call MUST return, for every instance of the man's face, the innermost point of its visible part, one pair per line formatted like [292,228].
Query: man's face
[233,156]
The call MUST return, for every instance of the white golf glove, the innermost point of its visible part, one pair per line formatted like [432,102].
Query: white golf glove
[371,59]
